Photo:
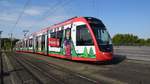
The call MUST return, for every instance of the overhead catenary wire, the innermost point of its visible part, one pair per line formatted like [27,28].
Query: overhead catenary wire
[52,11]
[20,15]
[95,8]
[46,13]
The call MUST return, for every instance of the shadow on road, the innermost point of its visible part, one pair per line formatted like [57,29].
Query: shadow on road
[116,59]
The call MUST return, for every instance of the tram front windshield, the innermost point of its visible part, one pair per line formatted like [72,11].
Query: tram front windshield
[102,36]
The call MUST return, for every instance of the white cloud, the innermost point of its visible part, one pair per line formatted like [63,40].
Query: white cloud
[27,23]
[32,17]
[5,3]
[8,17]
[57,15]
[36,10]
[33,12]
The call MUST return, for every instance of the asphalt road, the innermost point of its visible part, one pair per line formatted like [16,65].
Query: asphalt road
[24,69]
[130,65]
[133,52]
[118,71]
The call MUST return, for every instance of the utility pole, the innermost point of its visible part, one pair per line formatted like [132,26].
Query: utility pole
[1,61]
[0,40]
[25,34]
[11,40]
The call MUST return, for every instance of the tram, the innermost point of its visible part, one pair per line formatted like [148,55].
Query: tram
[78,38]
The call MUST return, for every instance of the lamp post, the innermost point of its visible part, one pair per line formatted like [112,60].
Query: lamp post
[25,33]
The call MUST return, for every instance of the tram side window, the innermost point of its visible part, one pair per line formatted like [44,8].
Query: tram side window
[26,43]
[53,34]
[30,43]
[37,43]
[60,36]
[21,44]
[83,36]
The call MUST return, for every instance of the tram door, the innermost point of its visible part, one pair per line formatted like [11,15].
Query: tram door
[46,44]
[37,44]
[43,44]
[34,43]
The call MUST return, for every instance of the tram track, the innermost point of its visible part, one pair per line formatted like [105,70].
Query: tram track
[38,73]
[20,73]
[71,72]
[122,72]
[79,74]
[58,73]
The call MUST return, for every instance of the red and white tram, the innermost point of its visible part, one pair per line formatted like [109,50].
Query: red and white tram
[79,38]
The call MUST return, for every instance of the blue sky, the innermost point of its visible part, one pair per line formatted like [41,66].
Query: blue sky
[119,16]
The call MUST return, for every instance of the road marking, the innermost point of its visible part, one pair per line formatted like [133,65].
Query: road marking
[86,78]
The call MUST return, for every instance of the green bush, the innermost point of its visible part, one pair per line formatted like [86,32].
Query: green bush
[130,40]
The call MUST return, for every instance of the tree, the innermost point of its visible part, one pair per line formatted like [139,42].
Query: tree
[6,43]
[129,39]
[148,41]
